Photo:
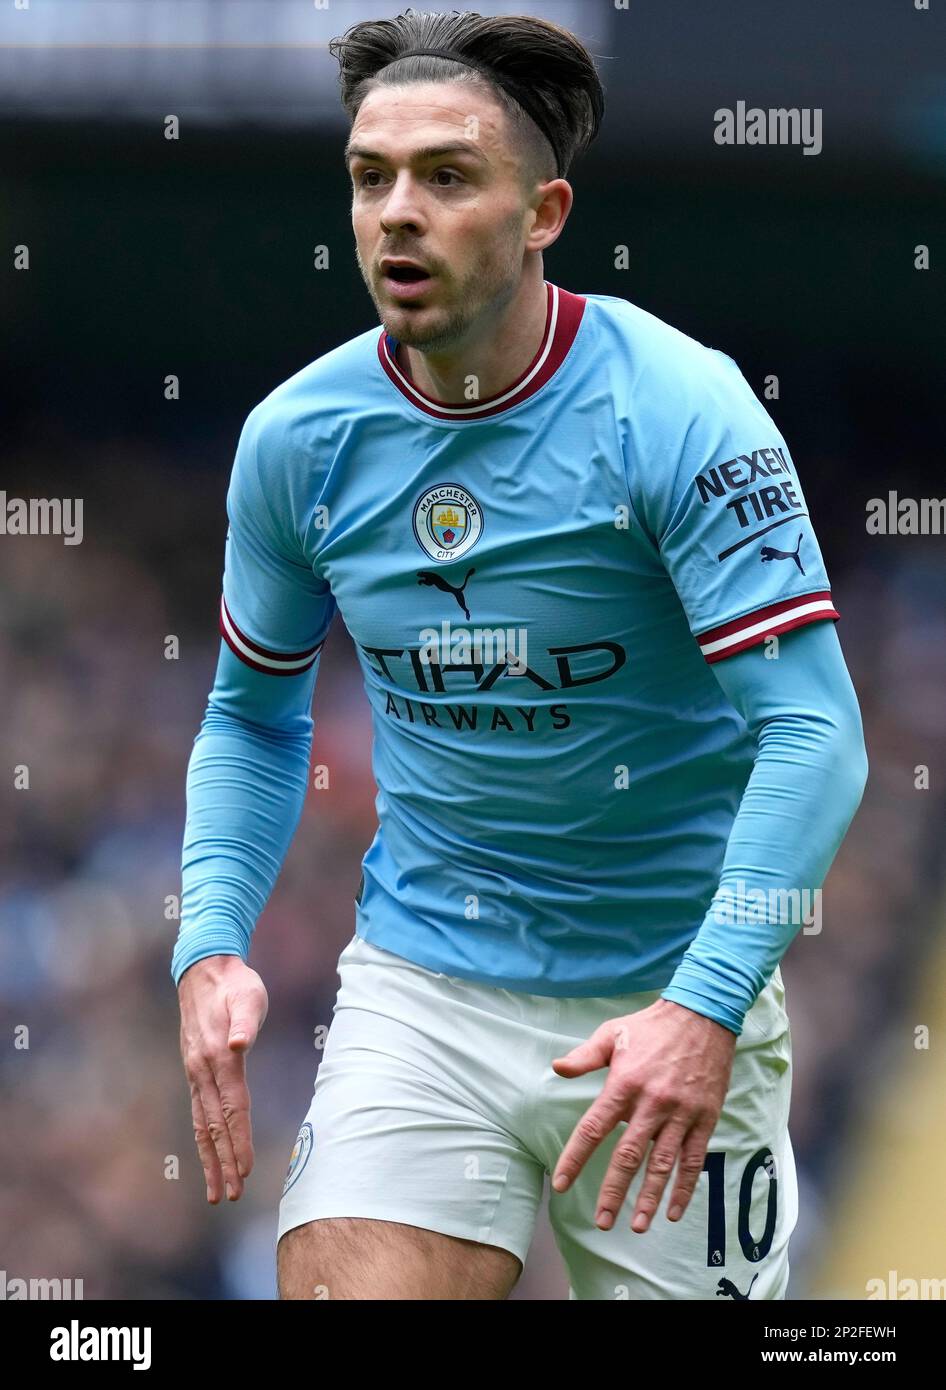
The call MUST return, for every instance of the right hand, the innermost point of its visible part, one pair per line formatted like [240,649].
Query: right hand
[223,1005]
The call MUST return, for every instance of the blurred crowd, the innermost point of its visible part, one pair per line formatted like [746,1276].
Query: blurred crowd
[101,1180]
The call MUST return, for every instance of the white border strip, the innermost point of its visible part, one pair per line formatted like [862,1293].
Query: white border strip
[823,605]
[275,664]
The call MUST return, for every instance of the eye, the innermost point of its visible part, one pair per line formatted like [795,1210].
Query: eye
[444,178]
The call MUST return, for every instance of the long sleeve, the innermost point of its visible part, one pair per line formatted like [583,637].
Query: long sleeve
[805,786]
[246,785]
[248,770]
[719,497]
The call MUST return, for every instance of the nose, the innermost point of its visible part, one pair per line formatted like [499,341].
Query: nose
[401,207]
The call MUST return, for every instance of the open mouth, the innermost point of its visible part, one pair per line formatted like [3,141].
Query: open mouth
[406,274]
[407,282]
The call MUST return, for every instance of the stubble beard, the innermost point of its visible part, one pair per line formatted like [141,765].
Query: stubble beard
[491,283]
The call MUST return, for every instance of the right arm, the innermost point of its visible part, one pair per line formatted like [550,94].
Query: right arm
[246,785]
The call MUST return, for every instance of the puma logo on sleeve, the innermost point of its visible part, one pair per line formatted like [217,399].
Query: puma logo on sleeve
[769,552]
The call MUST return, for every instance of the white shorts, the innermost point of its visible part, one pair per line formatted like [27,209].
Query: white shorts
[436,1105]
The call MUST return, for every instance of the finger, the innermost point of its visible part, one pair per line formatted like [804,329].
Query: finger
[595,1052]
[692,1158]
[247,1013]
[660,1165]
[206,1152]
[626,1158]
[595,1124]
[219,1131]
[235,1105]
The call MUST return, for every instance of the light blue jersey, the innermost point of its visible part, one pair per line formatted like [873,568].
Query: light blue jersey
[537,586]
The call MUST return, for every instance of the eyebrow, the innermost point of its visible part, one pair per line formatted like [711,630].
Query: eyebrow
[419,156]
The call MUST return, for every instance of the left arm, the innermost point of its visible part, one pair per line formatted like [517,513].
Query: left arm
[805,787]
[669,1065]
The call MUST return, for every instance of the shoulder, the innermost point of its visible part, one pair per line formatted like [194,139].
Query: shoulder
[666,377]
[679,405]
[289,440]
[306,410]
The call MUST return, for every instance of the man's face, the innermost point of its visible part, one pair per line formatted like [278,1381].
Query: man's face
[437,182]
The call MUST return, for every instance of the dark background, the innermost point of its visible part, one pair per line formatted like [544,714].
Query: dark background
[194,257]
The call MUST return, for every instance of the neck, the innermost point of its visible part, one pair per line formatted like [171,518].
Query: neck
[495,350]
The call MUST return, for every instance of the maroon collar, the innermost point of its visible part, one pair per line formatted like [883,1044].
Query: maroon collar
[561,324]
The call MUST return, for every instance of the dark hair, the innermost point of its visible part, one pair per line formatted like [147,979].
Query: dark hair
[542,75]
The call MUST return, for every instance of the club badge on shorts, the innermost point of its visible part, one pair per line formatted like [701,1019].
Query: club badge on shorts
[299,1156]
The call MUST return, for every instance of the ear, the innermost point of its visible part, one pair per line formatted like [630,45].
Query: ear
[551,203]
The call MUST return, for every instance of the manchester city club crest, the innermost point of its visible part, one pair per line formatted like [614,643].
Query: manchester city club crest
[299,1156]
[448,521]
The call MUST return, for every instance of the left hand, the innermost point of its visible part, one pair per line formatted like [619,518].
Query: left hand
[668,1077]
